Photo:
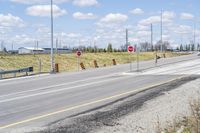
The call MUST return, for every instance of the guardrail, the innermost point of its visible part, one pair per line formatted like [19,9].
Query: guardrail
[23,70]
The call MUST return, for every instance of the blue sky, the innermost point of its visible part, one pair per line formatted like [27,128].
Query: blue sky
[97,22]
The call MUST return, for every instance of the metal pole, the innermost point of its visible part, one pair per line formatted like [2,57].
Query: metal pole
[130,63]
[12,46]
[57,46]
[194,34]
[52,51]
[126,37]
[127,48]
[152,35]
[78,63]
[40,66]
[161,30]
[37,45]
[137,58]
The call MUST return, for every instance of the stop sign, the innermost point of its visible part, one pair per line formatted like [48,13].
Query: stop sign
[130,48]
[78,53]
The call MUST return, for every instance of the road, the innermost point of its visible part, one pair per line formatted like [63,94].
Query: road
[36,101]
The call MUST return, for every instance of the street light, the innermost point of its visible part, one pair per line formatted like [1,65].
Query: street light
[161,32]
[52,54]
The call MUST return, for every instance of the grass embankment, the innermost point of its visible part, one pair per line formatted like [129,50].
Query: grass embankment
[68,62]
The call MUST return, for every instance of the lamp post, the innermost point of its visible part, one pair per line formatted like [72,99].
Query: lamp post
[52,50]
[161,32]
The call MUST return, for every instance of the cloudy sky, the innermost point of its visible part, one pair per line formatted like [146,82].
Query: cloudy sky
[97,22]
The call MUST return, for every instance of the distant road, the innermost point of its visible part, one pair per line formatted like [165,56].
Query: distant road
[37,101]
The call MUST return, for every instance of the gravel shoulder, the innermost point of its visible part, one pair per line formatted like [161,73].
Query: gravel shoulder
[144,112]
[160,112]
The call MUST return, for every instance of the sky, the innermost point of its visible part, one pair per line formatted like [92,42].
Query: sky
[97,22]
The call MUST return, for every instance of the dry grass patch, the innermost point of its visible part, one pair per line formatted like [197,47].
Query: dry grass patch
[68,62]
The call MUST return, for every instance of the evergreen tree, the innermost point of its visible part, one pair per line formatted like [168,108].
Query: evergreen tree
[192,47]
[198,47]
[109,49]
[181,47]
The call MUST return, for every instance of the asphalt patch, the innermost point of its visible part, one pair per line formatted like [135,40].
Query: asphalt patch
[94,119]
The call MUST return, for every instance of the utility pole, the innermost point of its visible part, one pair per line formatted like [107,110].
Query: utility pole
[12,46]
[127,38]
[152,35]
[2,42]
[57,46]
[37,43]
[60,42]
[138,59]
[52,50]
[194,33]
[161,30]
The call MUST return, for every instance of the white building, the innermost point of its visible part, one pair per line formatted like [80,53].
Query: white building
[30,50]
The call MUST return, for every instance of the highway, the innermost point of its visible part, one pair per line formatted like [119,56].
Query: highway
[33,102]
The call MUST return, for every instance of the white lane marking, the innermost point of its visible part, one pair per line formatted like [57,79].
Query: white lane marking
[188,70]
[173,69]
[58,90]
[59,85]
[53,86]
[30,78]
[84,104]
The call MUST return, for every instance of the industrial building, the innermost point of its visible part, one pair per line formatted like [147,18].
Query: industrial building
[30,50]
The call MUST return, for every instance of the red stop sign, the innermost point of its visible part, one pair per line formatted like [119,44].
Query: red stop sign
[78,53]
[130,48]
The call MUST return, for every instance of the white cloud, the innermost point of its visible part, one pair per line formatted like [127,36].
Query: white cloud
[45,10]
[85,3]
[137,11]
[169,15]
[79,15]
[166,37]
[71,35]
[150,20]
[142,27]
[186,16]
[182,29]
[143,33]
[43,30]
[114,18]
[167,18]
[24,40]
[153,20]
[11,21]
[31,2]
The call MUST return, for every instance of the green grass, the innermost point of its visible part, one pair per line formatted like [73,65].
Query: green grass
[68,62]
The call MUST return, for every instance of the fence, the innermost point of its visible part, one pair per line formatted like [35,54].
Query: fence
[14,72]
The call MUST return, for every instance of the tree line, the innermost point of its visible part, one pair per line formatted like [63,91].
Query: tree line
[144,46]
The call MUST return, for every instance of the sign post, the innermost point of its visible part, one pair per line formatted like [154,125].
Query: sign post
[131,49]
[138,60]
[78,54]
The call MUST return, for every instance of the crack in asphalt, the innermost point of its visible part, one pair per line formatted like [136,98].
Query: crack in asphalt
[94,119]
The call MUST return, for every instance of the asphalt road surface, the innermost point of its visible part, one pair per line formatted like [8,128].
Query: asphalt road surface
[33,102]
